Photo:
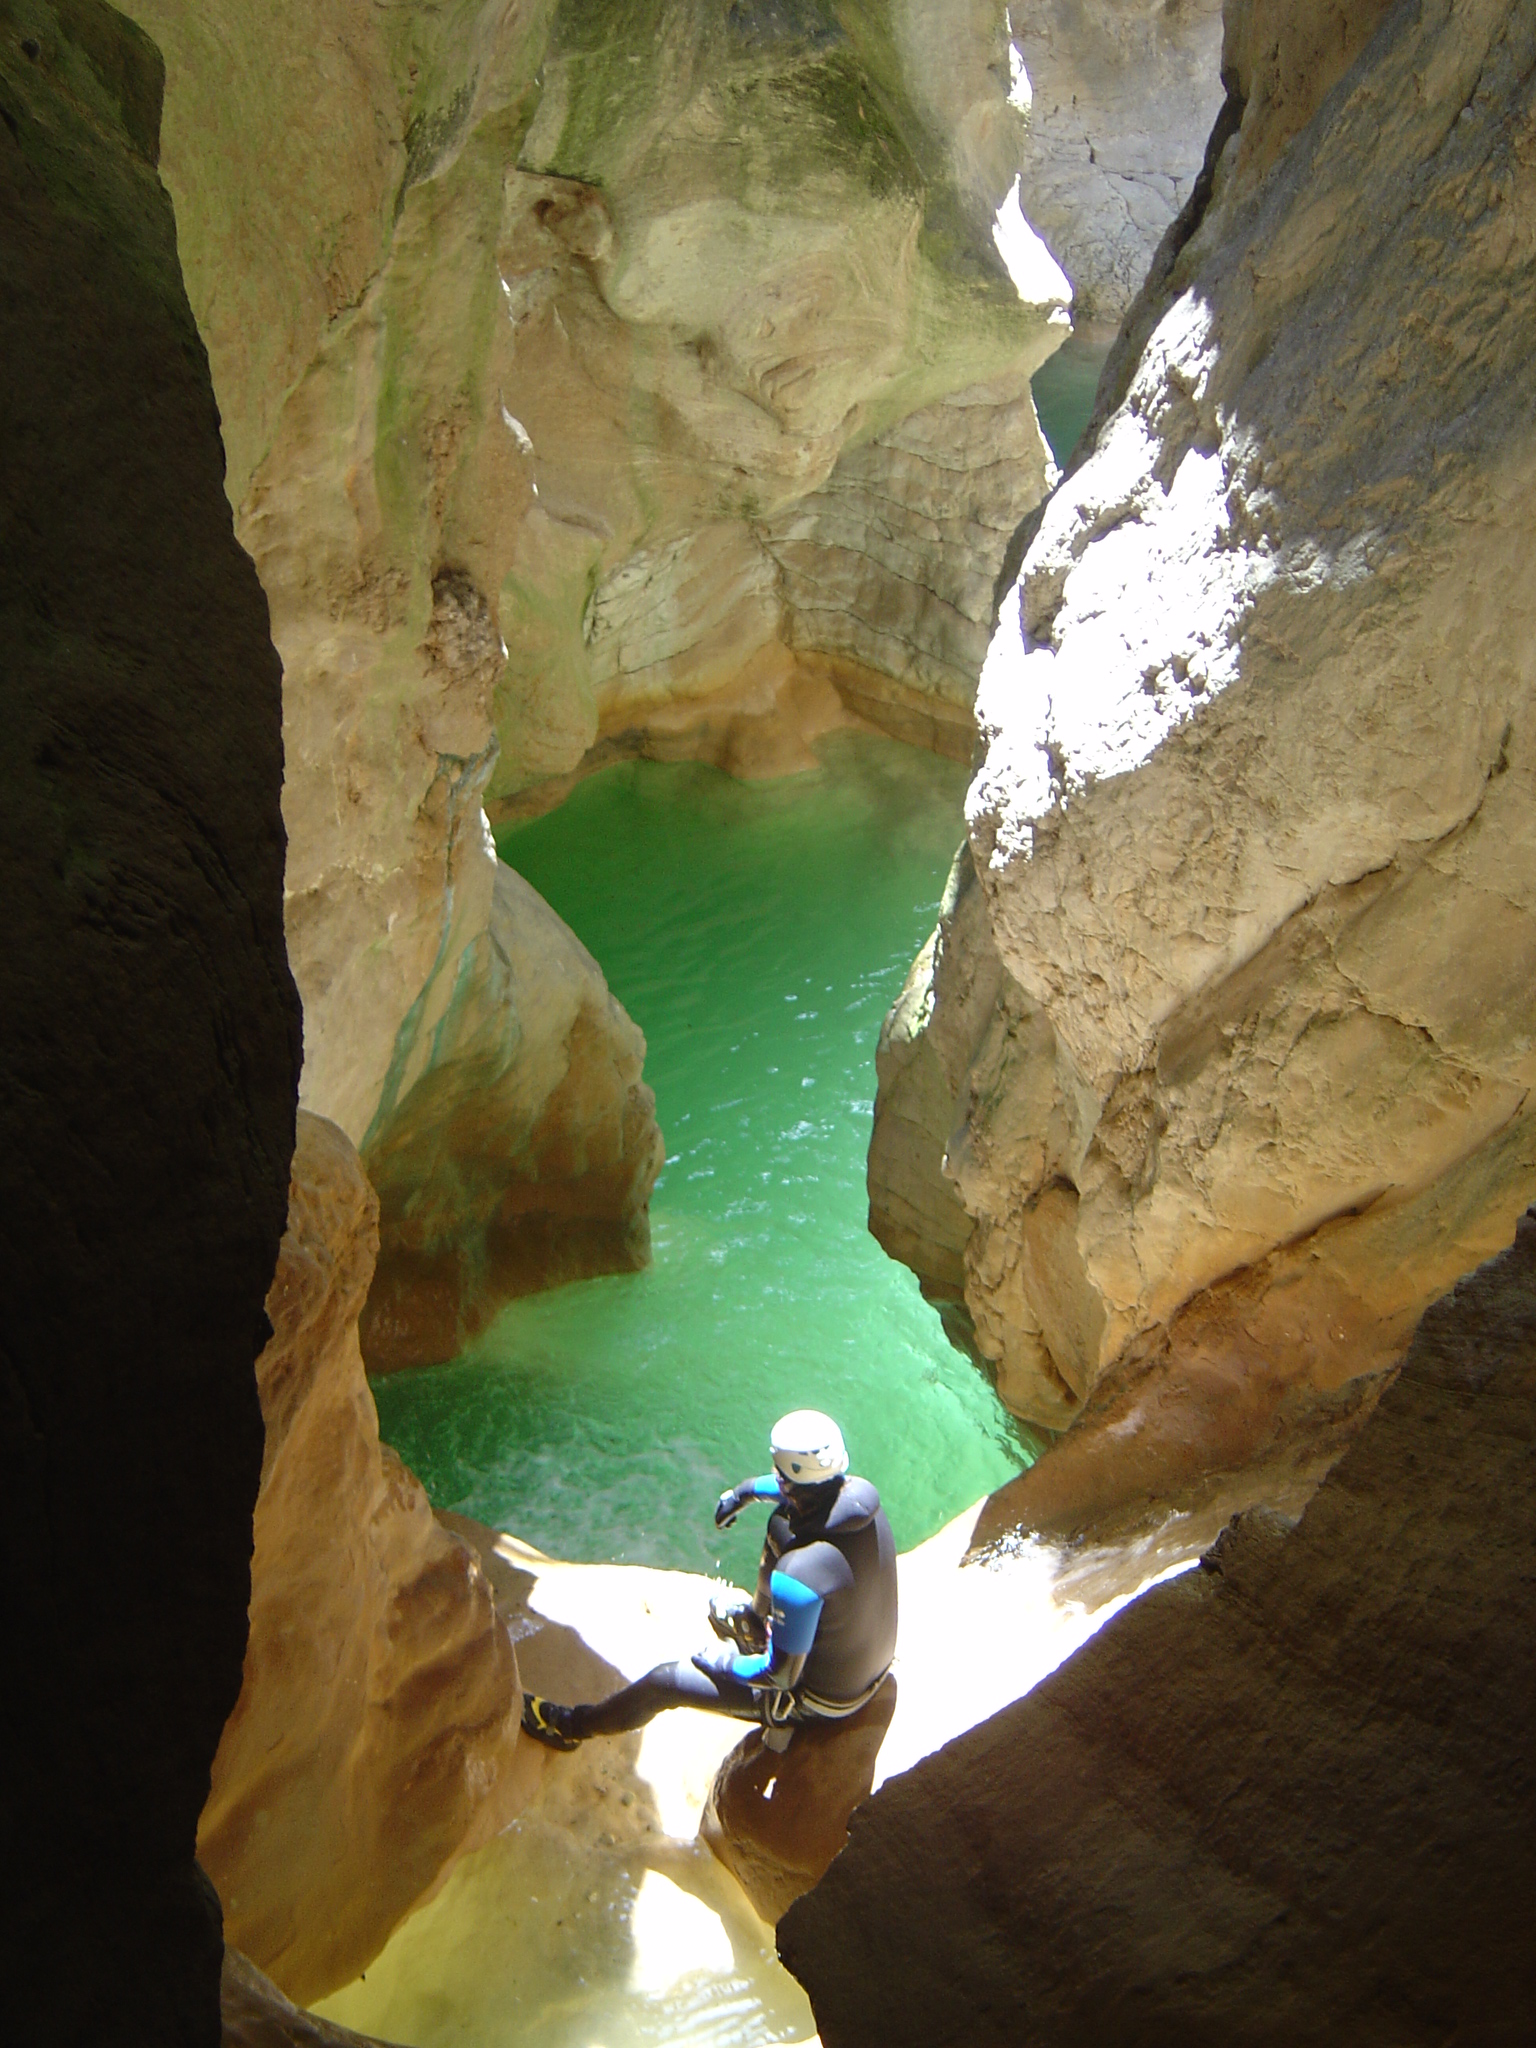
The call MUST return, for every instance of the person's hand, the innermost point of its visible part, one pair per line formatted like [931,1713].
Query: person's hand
[739,1623]
[730,1505]
[718,1662]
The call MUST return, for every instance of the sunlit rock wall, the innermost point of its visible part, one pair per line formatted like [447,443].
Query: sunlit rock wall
[1219,1065]
[640,377]
[151,1055]
[1118,98]
[1286,1797]
[374,1735]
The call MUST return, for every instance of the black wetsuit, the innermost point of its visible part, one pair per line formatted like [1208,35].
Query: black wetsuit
[836,1544]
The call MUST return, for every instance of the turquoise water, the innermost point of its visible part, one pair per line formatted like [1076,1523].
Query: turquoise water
[1064,388]
[757,933]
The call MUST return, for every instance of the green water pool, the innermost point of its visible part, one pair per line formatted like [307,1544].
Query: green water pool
[1064,388]
[757,933]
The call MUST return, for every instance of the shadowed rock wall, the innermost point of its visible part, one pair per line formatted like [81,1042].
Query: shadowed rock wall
[1288,1797]
[1219,1064]
[152,1050]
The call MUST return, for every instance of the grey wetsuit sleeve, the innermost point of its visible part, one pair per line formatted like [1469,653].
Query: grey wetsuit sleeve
[821,1566]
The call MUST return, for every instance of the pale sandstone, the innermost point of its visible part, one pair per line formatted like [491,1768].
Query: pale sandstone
[886,572]
[1253,835]
[375,1736]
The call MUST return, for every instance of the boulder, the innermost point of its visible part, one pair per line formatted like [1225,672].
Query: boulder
[777,1818]
[1219,1066]
[151,1053]
[515,1145]
[1287,1796]
[374,1736]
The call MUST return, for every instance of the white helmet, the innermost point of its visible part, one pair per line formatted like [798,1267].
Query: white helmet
[808,1448]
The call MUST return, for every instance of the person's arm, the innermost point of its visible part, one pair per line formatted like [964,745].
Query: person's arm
[735,1498]
[793,1619]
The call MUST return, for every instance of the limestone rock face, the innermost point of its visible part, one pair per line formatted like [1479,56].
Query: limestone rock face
[376,1725]
[528,1040]
[1292,1784]
[1252,843]
[886,572]
[151,1054]
[1118,100]
[597,380]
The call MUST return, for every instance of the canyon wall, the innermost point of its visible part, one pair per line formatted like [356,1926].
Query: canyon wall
[1219,1064]
[596,380]
[1285,1797]
[373,1739]
[152,1053]
[1118,99]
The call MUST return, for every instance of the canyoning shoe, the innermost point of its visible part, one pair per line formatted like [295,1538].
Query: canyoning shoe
[546,1723]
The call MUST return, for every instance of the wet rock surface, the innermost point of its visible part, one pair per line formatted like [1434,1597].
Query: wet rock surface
[151,1032]
[256,2014]
[1289,1793]
[1218,1068]
[374,1738]
[597,1915]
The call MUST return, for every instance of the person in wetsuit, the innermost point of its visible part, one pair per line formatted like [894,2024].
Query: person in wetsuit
[817,1637]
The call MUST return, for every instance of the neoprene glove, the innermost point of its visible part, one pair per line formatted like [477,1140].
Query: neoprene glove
[730,1505]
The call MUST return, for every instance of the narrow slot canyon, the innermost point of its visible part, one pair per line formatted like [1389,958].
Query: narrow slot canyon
[809,708]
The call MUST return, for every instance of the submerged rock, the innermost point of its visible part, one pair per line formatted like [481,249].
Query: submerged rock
[256,2014]
[1286,1797]
[374,1736]
[1219,1065]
